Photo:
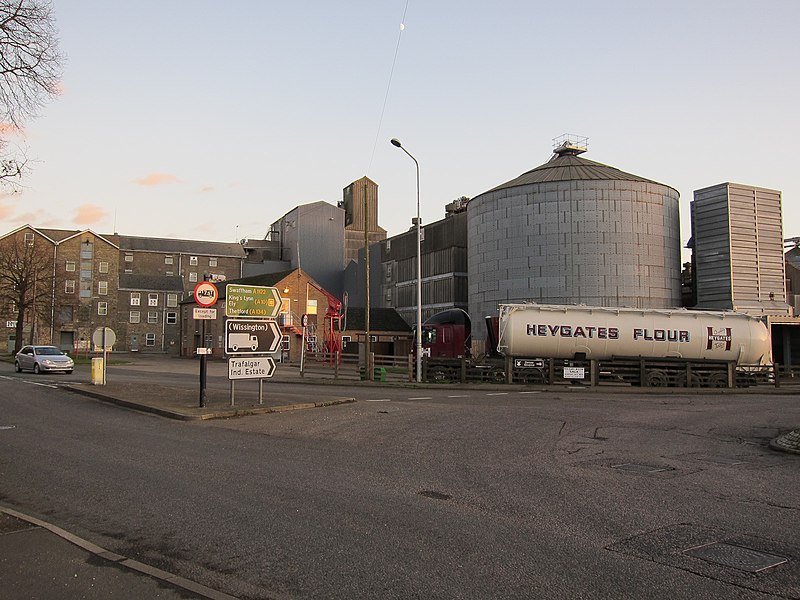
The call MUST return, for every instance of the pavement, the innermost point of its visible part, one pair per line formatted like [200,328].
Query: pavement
[39,560]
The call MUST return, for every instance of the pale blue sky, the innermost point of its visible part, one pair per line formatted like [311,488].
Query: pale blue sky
[237,113]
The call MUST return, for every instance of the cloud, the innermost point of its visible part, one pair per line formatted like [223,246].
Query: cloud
[5,211]
[207,188]
[89,214]
[156,179]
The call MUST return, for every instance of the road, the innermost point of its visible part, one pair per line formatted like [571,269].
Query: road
[410,494]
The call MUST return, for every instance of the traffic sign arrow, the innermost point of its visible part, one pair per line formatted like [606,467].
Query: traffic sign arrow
[252,336]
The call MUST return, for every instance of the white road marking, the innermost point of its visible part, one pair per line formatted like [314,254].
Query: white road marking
[377,400]
[47,385]
[464,396]
[530,392]
[498,394]
[422,398]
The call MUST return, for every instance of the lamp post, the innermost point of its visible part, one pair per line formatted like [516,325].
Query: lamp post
[396,142]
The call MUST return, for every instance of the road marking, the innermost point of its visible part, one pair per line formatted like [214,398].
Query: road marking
[422,398]
[47,385]
[498,394]
[464,396]
[530,392]
[377,400]
[7,427]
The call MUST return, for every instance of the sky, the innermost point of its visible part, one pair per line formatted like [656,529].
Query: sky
[208,120]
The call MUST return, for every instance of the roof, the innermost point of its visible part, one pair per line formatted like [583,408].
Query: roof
[173,246]
[380,319]
[568,167]
[162,283]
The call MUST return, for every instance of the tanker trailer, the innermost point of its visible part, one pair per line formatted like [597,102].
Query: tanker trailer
[610,334]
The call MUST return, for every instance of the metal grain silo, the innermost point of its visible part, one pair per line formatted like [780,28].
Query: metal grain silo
[574,231]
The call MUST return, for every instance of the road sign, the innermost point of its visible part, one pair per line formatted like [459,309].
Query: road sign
[201,351]
[251,336]
[528,363]
[256,367]
[252,301]
[104,334]
[204,314]
[206,294]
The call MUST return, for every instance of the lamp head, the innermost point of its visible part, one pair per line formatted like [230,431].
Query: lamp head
[396,142]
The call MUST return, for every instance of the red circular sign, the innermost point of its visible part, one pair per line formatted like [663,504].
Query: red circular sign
[206,294]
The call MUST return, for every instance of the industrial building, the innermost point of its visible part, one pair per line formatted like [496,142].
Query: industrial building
[574,231]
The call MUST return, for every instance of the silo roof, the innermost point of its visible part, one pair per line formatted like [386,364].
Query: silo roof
[568,167]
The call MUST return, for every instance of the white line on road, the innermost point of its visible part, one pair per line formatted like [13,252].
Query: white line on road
[422,398]
[498,394]
[377,400]
[47,385]
[537,392]
[463,396]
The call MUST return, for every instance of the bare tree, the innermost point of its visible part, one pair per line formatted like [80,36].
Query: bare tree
[30,69]
[26,282]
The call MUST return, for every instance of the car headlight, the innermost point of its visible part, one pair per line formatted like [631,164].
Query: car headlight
[48,362]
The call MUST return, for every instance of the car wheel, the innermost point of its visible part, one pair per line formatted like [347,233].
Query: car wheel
[17,368]
[36,368]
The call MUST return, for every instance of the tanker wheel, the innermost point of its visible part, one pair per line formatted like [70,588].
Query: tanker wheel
[718,380]
[496,376]
[536,376]
[657,378]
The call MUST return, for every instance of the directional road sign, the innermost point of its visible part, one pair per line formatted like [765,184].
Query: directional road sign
[255,367]
[252,336]
[252,301]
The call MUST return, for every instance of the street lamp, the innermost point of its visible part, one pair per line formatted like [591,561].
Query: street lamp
[396,142]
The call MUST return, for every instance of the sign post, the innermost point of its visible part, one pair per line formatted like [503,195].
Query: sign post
[205,294]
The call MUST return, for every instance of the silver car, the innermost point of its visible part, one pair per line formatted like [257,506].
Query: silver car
[41,359]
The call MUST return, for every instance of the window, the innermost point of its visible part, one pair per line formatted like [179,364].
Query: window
[69,286]
[172,318]
[167,260]
[193,276]
[70,266]
[102,308]
[169,273]
[135,298]
[87,250]
[128,257]
[212,262]
[102,288]
[192,261]
[152,299]
[86,289]
[86,269]
[172,300]
[150,339]
[65,314]
[103,266]
[29,239]
[128,270]
[285,342]
[136,316]
[152,316]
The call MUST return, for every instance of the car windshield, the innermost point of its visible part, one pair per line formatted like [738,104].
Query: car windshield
[48,350]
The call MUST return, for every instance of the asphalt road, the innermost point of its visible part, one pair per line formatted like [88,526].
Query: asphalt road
[438,493]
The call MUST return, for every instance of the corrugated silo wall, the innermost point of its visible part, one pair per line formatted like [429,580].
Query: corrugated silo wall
[602,243]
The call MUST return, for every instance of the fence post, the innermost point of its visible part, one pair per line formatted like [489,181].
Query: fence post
[776,368]
[594,372]
[731,374]
[509,370]
[371,366]
[410,368]
[336,367]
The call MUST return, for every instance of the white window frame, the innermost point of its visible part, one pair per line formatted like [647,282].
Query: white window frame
[168,260]
[102,288]
[212,262]
[152,299]
[102,308]
[102,267]
[135,316]
[69,286]
[136,299]
[172,318]
[69,266]
[152,316]
[29,237]
[172,300]
[128,257]
[150,339]
[193,276]
[192,261]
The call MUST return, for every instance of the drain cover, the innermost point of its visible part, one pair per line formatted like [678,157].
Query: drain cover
[640,468]
[737,557]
